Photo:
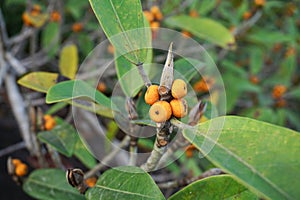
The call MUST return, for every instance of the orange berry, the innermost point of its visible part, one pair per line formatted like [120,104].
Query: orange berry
[49,122]
[278,91]
[204,84]
[91,182]
[149,16]
[36,8]
[179,107]
[154,10]
[21,169]
[34,13]
[259,2]
[152,95]
[194,13]
[247,15]
[26,19]
[160,111]
[101,87]
[77,27]
[254,79]
[156,13]
[186,34]
[179,88]
[16,162]
[190,147]
[111,49]
[189,153]
[55,16]
[154,25]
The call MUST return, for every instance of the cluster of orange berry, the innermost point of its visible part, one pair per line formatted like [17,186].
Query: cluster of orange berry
[20,168]
[204,85]
[154,16]
[277,94]
[34,11]
[49,122]
[161,110]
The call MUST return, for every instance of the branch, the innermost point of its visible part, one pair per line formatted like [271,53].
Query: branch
[108,158]
[187,181]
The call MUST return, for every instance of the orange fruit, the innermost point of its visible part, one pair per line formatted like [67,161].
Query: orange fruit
[49,122]
[247,15]
[91,182]
[179,107]
[154,25]
[152,95]
[160,111]
[55,16]
[194,13]
[278,91]
[179,88]
[77,27]
[21,169]
[186,34]
[254,79]
[101,87]
[259,2]
[149,16]
[16,162]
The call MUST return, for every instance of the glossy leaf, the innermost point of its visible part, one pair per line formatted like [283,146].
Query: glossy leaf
[214,187]
[125,183]
[62,137]
[83,154]
[188,67]
[50,38]
[50,184]
[80,94]
[204,28]
[68,61]
[262,156]
[123,24]
[39,81]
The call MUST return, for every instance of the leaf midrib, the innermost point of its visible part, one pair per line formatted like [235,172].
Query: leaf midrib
[122,28]
[125,192]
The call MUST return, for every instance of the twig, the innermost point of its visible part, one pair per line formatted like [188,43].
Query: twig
[160,146]
[143,74]
[18,107]
[187,181]
[3,31]
[12,148]
[108,158]
[194,117]
[15,63]
[132,115]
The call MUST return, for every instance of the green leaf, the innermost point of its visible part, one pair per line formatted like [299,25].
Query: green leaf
[50,184]
[125,182]
[56,107]
[268,38]
[214,187]
[50,38]
[262,156]
[126,19]
[68,61]
[204,28]
[83,154]
[62,137]
[39,81]
[256,60]
[86,44]
[80,94]
[188,67]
